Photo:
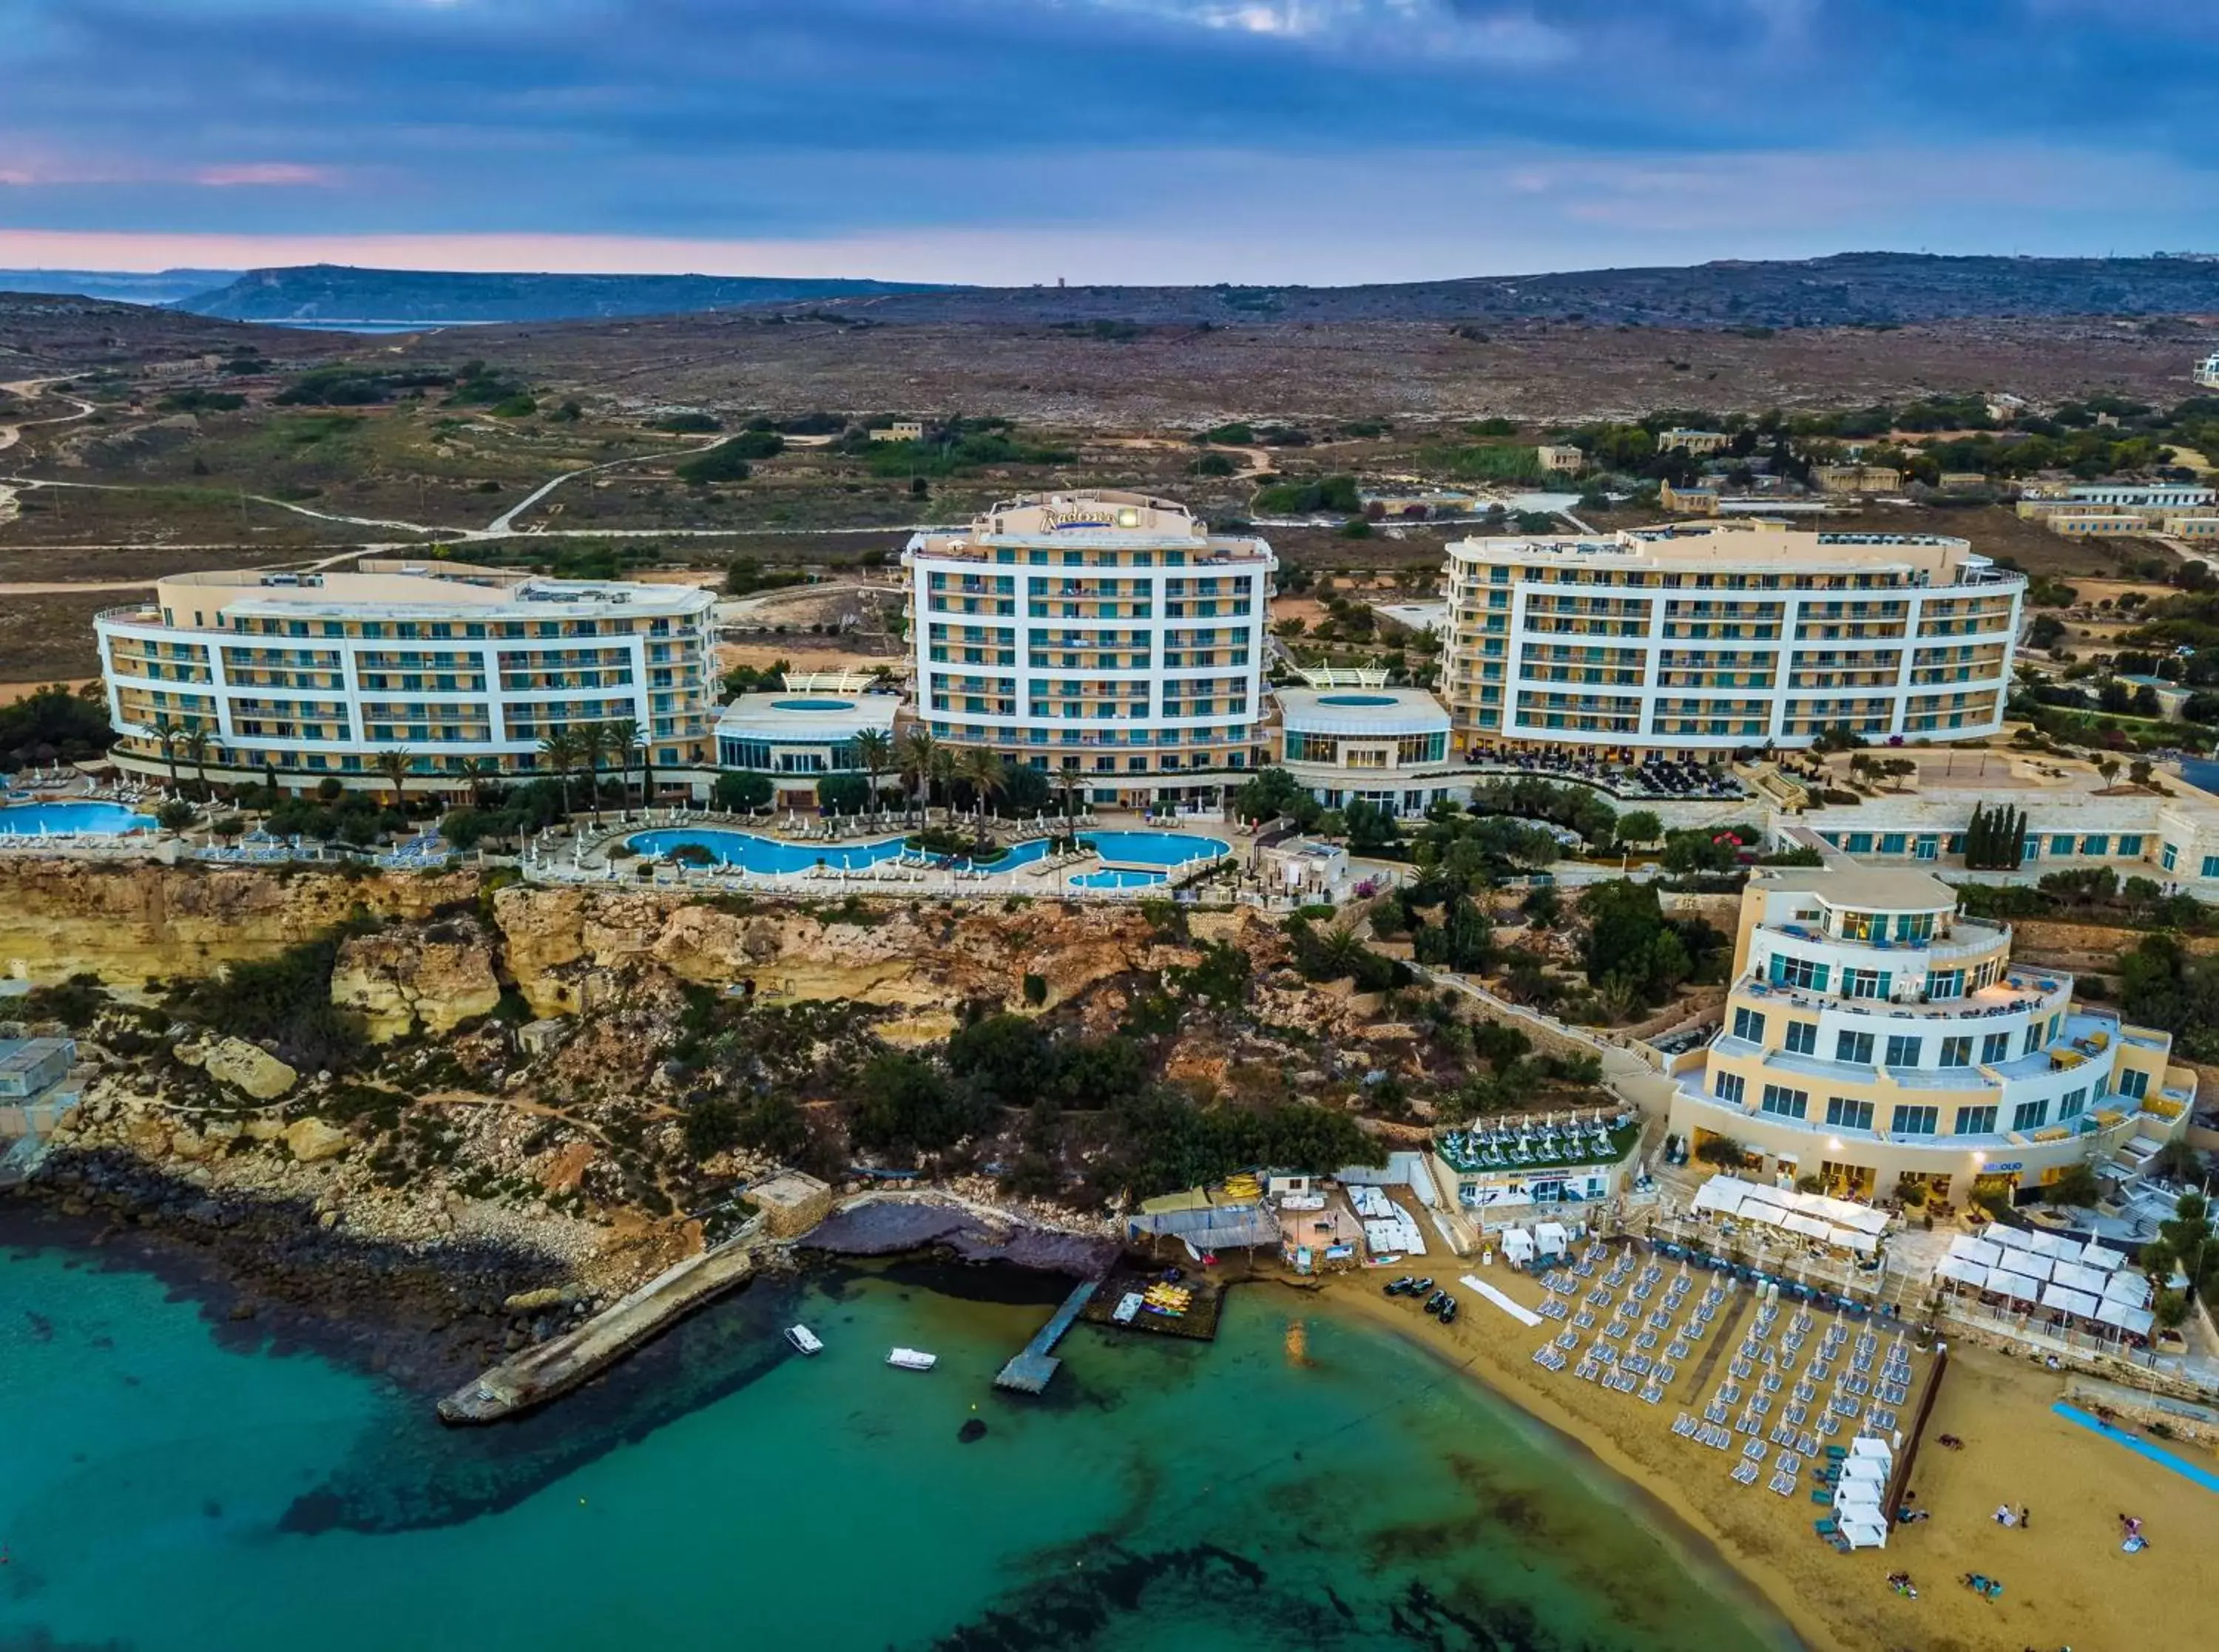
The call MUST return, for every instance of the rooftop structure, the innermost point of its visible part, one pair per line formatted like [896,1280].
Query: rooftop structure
[317,673]
[1372,742]
[1873,1036]
[800,732]
[1108,633]
[1698,637]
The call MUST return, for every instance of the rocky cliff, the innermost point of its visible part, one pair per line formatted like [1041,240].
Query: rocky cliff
[125,922]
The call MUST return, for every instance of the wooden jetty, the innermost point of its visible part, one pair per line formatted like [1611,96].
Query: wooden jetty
[1029,1371]
[561,1364]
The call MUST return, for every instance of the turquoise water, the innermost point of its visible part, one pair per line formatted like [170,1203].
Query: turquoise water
[1302,1483]
[31,818]
[767,855]
[1115,878]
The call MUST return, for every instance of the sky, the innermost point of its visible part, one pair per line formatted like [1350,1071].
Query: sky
[1013,141]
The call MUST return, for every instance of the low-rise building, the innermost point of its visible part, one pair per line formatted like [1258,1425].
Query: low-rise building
[1507,1170]
[1874,1036]
[1364,740]
[1689,501]
[902,430]
[1561,458]
[1697,442]
[2207,371]
[804,733]
[1855,478]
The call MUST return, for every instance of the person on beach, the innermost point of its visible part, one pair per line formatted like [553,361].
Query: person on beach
[2025,1517]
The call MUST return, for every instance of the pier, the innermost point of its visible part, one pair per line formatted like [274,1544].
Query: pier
[561,1364]
[1029,1371]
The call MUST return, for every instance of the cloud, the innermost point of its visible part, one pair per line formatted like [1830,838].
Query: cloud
[1421,136]
[263,175]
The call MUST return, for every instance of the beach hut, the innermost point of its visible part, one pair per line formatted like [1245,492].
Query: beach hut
[1549,1240]
[1861,1530]
[1517,1247]
[1869,1445]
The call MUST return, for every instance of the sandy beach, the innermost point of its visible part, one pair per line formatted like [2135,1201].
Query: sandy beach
[2067,1583]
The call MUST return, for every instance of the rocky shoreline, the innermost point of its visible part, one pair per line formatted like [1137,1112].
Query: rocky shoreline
[896,1226]
[267,1273]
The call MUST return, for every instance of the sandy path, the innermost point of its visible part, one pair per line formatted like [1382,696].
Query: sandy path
[2066,1582]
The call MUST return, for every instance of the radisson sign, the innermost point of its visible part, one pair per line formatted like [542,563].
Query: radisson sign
[1054,516]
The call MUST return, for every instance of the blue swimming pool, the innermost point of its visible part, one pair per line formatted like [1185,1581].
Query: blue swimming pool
[1153,854]
[108,819]
[1117,877]
[753,854]
[1155,849]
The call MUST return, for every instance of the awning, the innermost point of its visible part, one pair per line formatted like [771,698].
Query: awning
[2058,1245]
[2132,1289]
[1795,1222]
[2076,1302]
[2073,1276]
[2101,1256]
[1517,1245]
[1966,1248]
[2011,1238]
[1963,1272]
[2015,1285]
[2138,1320]
[2026,1265]
[1721,1193]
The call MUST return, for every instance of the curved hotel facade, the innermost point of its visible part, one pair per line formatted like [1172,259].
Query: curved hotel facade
[1873,1036]
[1105,632]
[316,674]
[1701,638]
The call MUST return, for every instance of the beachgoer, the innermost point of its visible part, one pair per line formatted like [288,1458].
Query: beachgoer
[2025,1516]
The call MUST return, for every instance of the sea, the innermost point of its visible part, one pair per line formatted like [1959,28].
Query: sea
[171,1480]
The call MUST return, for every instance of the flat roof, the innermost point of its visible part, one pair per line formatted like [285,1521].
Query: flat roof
[802,714]
[1376,711]
[1866,888]
[1102,518]
[1739,543]
[385,589]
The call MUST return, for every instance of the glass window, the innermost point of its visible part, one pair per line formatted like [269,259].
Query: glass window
[1854,1047]
[2169,856]
[1802,1037]
[1914,1121]
[1957,1051]
[2029,1115]
[2211,866]
[1801,972]
[1863,983]
[2072,1103]
[2096,843]
[1996,1046]
[1903,1050]
[2061,843]
[2033,1038]
[1976,1120]
[2130,846]
[1848,1114]
[1748,1024]
[2133,1083]
[1788,1103]
[1946,984]
[1730,1088]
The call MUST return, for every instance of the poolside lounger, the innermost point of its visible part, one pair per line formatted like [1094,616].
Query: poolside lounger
[1784,1484]
[1744,1473]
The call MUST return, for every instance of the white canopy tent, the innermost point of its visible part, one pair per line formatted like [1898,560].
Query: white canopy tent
[2062,1246]
[2100,1257]
[2073,1276]
[2132,1289]
[1966,1248]
[2138,1321]
[1865,1471]
[1550,1239]
[1807,1215]
[1517,1246]
[1865,1533]
[2016,1285]
[2078,1303]
[2027,1264]
[2010,1238]
[1963,1270]
[1870,1446]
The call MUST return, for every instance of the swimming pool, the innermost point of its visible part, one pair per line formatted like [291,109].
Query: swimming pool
[766,855]
[1153,854]
[1117,877]
[100,819]
[1165,849]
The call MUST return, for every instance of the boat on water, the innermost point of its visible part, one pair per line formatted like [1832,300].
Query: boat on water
[805,1340]
[912,1359]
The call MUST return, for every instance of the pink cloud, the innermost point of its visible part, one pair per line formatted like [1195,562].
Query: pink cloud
[269,174]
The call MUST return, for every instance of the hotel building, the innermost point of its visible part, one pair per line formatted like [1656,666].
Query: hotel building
[317,675]
[1873,1036]
[1698,638]
[1106,632]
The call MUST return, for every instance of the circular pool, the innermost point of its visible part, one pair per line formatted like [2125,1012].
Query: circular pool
[812,706]
[89,819]
[1356,699]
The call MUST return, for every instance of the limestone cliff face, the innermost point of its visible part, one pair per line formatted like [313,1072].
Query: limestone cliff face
[567,948]
[127,920]
[416,979]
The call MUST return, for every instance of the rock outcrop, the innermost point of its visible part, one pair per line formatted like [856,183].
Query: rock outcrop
[416,980]
[248,1069]
[312,1140]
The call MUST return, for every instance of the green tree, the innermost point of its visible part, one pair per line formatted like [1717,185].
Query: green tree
[874,751]
[982,771]
[626,744]
[737,792]
[593,740]
[559,750]
[394,765]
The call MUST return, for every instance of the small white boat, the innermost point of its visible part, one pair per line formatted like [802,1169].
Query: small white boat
[805,1340]
[912,1359]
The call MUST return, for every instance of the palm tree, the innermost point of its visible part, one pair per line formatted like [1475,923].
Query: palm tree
[593,745]
[982,769]
[624,743]
[915,763]
[1067,784]
[646,770]
[170,734]
[394,765]
[874,750]
[943,773]
[196,743]
[473,773]
[561,751]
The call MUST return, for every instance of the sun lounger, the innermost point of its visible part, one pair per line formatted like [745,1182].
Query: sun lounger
[1744,1473]
[1784,1484]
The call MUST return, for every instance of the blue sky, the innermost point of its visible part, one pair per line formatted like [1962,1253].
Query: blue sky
[1017,140]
